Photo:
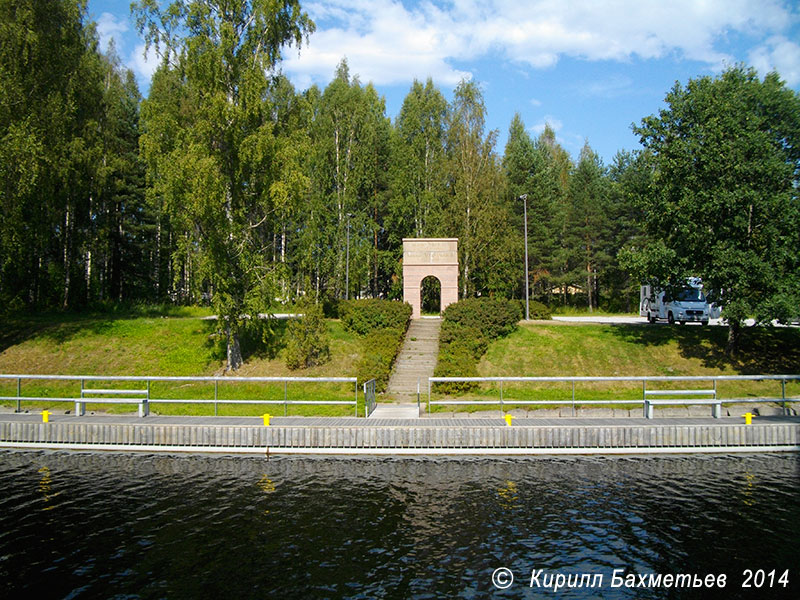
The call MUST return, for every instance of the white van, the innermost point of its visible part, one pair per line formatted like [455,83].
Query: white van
[687,305]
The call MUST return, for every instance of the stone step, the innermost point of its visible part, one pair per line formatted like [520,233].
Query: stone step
[417,359]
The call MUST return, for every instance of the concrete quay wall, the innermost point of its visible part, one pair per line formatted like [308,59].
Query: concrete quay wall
[567,439]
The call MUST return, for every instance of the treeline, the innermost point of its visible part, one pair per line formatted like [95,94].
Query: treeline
[221,184]
[74,226]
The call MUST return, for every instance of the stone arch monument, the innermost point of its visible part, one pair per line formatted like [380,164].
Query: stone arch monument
[423,257]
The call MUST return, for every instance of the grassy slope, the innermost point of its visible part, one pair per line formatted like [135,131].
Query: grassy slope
[182,344]
[178,345]
[562,350]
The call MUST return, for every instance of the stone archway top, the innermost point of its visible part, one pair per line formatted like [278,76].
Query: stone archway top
[424,257]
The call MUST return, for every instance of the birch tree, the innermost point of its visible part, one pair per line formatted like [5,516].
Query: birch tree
[225,51]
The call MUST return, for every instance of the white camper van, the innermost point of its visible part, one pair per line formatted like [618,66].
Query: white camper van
[688,304]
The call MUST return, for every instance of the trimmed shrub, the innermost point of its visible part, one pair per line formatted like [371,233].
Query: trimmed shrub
[471,339]
[379,350]
[456,361]
[363,316]
[383,324]
[468,327]
[539,311]
[494,317]
[309,339]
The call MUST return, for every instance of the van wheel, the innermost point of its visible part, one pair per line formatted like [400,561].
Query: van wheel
[651,317]
[671,319]
[683,322]
[704,323]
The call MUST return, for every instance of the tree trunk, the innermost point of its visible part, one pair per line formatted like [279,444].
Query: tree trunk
[234,350]
[734,331]
[589,285]
[67,253]
[157,262]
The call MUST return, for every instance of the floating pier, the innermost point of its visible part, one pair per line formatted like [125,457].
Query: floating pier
[352,436]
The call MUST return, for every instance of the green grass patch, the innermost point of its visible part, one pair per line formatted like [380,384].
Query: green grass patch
[566,350]
[181,344]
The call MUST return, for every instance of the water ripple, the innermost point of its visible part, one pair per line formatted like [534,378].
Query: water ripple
[147,526]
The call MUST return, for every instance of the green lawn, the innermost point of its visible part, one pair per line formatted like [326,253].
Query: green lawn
[178,344]
[565,350]
[181,344]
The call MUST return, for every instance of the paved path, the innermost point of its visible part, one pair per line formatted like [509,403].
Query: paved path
[398,410]
[634,320]
[417,358]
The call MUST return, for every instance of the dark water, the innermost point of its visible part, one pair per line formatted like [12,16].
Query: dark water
[146,526]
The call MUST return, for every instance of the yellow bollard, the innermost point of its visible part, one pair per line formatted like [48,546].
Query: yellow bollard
[45,416]
[748,418]
[266,420]
[508,419]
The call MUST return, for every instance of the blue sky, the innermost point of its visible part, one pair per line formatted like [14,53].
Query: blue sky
[590,68]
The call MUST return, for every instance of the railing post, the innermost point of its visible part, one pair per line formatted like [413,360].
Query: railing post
[783,394]
[80,407]
[418,406]
[573,397]
[19,394]
[285,398]
[502,408]
[365,399]
[429,395]
[216,391]
[644,397]
[144,407]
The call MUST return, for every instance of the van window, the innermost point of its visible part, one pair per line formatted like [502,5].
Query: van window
[691,295]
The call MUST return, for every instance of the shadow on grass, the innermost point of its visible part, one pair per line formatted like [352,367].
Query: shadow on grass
[61,327]
[763,350]
[58,327]
[263,342]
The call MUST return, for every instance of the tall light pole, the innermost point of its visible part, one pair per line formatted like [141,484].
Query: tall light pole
[524,199]
[347,262]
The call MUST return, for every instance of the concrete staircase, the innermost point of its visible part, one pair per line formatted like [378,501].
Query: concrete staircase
[417,359]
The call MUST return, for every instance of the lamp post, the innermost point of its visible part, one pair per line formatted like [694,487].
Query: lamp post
[524,198]
[347,262]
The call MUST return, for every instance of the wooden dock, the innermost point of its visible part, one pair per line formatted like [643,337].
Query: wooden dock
[358,436]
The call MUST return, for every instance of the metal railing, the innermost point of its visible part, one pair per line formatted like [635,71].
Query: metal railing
[369,397]
[644,380]
[143,397]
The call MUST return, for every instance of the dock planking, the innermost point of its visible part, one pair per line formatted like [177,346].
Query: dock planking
[386,436]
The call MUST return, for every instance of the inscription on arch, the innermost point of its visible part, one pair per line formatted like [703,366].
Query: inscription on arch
[429,256]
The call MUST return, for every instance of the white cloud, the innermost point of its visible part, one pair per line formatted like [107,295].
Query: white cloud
[390,41]
[611,87]
[108,28]
[144,64]
[383,42]
[555,124]
[781,55]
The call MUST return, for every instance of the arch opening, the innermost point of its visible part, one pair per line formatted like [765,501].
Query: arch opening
[431,295]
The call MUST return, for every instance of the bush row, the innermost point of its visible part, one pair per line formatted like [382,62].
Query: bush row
[383,324]
[468,327]
[364,316]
